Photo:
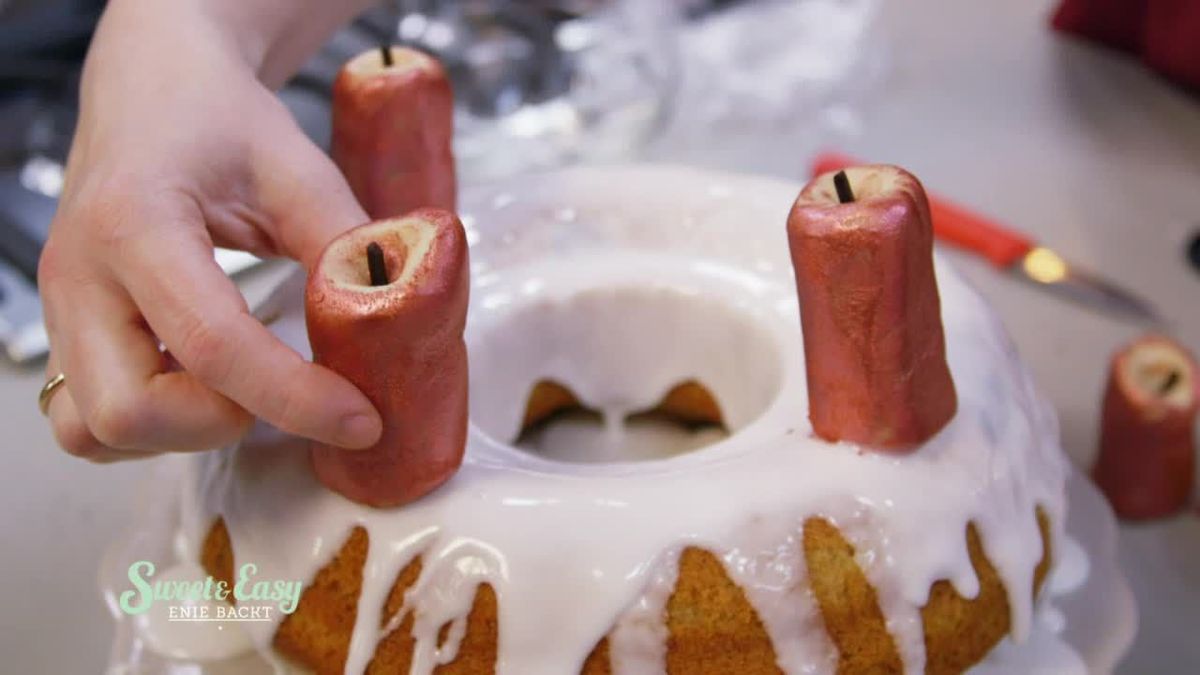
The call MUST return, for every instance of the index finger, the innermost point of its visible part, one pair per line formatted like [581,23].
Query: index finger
[201,317]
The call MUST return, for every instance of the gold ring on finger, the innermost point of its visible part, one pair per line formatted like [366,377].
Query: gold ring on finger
[48,391]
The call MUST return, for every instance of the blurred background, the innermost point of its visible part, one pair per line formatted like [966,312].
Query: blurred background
[1091,146]
[539,84]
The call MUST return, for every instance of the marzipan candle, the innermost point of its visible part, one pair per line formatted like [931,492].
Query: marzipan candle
[1147,434]
[393,118]
[385,308]
[862,252]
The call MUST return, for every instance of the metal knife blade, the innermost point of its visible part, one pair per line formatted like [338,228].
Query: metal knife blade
[1008,249]
[1049,271]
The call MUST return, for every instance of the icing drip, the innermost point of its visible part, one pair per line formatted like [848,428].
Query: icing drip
[768,562]
[626,439]
[620,301]
[638,642]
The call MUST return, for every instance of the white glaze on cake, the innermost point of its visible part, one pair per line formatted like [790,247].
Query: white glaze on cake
[573,549]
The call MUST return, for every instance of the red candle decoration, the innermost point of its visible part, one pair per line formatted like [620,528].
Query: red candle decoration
[393,121]
[385,308]
[1166,33]
[1147,434]
[1116,22]
[862,251]
[1172,40]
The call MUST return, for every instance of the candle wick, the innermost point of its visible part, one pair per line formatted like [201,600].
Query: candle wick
[376,265]
[842,183]
[1169,383]
[386,52]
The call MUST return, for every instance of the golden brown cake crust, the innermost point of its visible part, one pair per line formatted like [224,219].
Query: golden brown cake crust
[317,634]
[847,601]
[597,662]
[216,554]
[393,654]
[691,403]
[711,626]
[545,399]
[959,632]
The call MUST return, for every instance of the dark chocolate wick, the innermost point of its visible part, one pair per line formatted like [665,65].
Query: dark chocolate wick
[376,265]
[1169,383]
[386,52]
[842,183]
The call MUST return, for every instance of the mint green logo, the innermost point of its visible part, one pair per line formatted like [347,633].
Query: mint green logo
[248,590]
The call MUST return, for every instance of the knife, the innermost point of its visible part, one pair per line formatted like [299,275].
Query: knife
[1017,253]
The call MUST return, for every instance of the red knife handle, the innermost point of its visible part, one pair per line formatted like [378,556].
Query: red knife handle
[952,223]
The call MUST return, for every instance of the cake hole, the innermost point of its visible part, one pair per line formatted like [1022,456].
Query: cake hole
[558,426]
[621,374]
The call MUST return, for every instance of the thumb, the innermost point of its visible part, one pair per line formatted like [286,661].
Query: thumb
[304,196]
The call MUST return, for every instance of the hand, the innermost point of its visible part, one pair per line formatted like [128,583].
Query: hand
[179,148]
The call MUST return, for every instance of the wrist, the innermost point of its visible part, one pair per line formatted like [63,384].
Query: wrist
[275,37]
[192,29]
[272,38]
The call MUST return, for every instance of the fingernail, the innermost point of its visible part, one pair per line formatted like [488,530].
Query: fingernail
[358,431]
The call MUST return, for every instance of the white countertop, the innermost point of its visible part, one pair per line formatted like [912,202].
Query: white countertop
[1073,144]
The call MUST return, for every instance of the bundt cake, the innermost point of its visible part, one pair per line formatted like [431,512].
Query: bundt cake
[772,550]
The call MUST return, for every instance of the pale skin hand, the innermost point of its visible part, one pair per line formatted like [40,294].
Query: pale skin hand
[181,147]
